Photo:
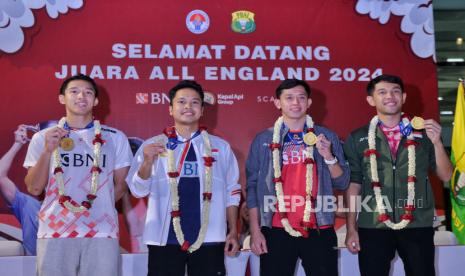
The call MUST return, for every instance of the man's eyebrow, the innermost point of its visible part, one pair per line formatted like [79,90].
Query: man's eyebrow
[77,87]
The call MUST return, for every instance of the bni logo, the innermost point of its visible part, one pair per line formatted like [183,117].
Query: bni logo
[142,98]
[152,98]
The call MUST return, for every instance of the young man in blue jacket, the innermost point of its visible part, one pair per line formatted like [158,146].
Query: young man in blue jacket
[291,170]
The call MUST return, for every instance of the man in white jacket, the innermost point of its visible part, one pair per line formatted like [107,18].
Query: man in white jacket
[191,179]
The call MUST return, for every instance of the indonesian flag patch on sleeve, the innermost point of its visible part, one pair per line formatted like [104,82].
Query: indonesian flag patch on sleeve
[236,192]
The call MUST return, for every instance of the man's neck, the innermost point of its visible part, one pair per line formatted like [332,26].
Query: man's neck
[295,124]
[390,120]
[186,130]
[78,121]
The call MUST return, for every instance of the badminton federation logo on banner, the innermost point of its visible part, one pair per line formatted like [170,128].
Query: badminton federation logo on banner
[243,22]
[197,21]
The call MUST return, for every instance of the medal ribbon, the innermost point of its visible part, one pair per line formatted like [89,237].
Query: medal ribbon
[184,154]
[174,142]
[67,127]
[294,141]
[405,129]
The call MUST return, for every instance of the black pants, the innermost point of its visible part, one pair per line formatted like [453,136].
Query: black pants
[318,253]
[378,247]
[170,260]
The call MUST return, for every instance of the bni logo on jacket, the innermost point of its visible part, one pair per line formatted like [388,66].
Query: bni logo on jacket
[243,22]
[197,21]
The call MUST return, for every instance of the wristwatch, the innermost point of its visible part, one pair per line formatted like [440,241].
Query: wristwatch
[331,162]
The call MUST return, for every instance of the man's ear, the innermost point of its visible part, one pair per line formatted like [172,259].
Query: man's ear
[370,100]
[309,102]
[170,109]
[277,103]
[95,102]
[61,98]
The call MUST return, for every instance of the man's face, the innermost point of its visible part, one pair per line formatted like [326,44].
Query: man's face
[387,98]
[79,98]
[293,102]
[186,107]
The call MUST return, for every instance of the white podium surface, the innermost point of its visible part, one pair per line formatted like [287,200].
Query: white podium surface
[449,262]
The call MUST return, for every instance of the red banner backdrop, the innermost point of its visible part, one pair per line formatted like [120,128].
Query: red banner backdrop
[239,51]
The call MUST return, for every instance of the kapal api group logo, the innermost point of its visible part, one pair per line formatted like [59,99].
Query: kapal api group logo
[243,22]
[197,21]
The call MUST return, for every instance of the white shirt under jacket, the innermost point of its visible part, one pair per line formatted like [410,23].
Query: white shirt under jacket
[226,190]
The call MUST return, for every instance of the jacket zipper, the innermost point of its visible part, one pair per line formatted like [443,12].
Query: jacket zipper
[394,167]
[394,190]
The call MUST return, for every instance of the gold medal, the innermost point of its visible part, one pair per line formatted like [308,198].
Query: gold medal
[310,139]
[418,123]
[67,144]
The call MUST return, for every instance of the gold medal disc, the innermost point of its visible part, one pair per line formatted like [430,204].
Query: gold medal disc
[67,144]
[418,123]
[310,139]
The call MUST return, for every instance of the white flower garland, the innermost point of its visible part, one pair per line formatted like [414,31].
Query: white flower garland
[66,201]
[207,195]
[308,153]
[383,217]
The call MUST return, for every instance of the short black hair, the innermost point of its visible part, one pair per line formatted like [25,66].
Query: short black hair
[384,78]
[186,84]
[83,77]
[291,83]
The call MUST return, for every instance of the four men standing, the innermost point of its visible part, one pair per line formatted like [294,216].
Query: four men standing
[191,180]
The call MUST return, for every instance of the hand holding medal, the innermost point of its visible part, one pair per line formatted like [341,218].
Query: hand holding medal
[433,131]
[432,128]
[24,131]
[152,151]
[53,138]
[161,148]
[21,135]
[323,145]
